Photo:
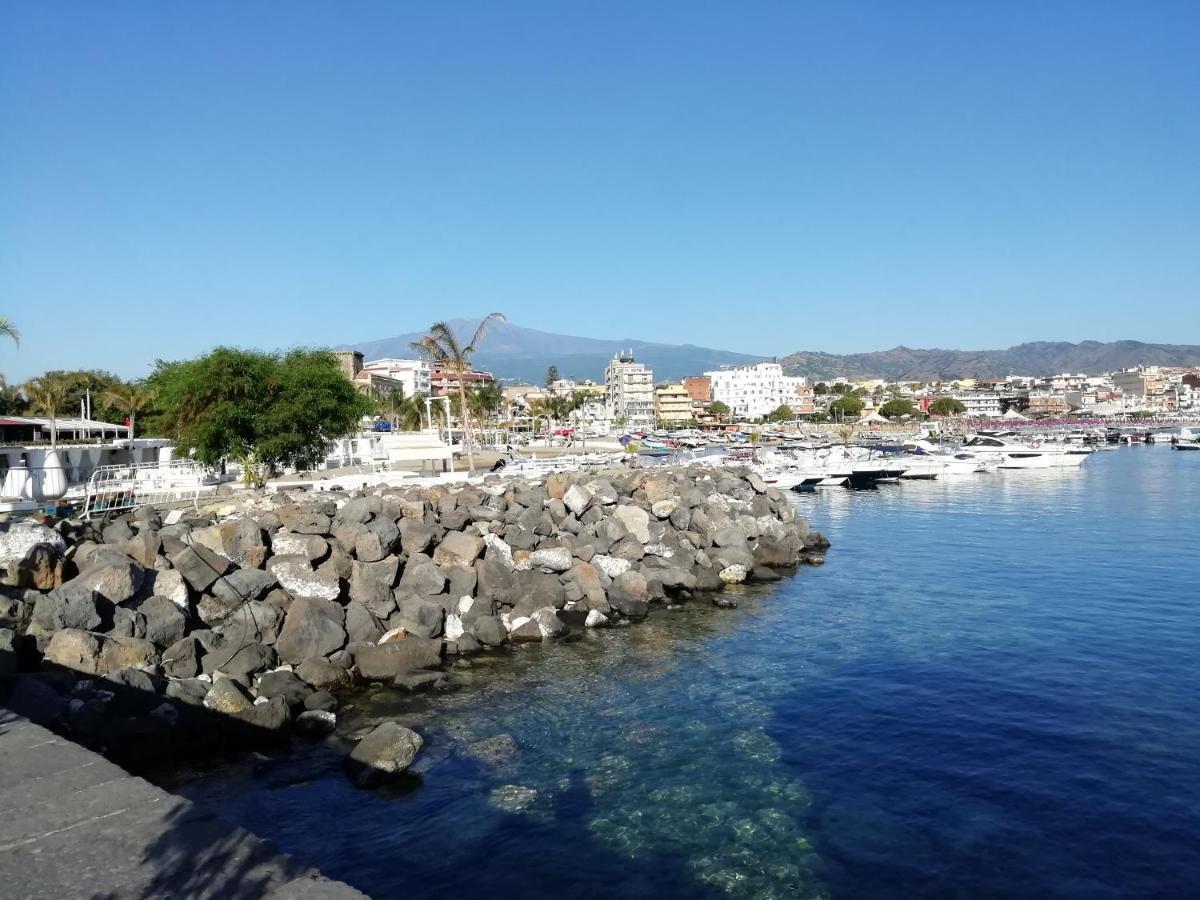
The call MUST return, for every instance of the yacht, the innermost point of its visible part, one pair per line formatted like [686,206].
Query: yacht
[959,461]
[1013,454]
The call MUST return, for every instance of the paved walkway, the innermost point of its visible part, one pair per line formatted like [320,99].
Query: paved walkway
[73,825]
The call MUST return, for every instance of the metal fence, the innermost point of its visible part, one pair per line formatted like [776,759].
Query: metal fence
[114,488]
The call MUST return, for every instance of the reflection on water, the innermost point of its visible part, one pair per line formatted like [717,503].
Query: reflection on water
[988,690]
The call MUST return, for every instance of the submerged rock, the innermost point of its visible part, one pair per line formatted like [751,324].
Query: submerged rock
[387,751]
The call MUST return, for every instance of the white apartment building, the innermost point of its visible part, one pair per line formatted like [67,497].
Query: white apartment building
[629,392]
[754,391]
[413,374]
[980,403]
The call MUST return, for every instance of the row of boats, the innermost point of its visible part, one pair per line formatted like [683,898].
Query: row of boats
[864,466]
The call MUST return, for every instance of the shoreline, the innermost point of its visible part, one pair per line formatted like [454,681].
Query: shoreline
[394,586]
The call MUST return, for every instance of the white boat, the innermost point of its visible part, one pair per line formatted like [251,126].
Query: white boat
[1012,454]
[952,462]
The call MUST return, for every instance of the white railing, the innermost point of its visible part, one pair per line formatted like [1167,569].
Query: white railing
[126,487]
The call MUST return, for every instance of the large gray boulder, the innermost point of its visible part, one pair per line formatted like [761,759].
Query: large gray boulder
[635,520]
[417,616]
[371,584]
[312,628]
[74,605]
[310,546]
[242,586]
[295,575]
[489,631]
[199,566]
[458,548]
[376,540]
[237,540]
[422,577]
[114,581]
[385,661]
[384,753]
[165,622]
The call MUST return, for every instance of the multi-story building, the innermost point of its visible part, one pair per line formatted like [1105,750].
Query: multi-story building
[412,375]
[672,404]
[1046,403]
[629,392]
[699,387]
[443,380]
[980,403]
[754,391]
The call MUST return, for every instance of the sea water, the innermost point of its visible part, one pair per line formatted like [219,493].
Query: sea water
[992,688]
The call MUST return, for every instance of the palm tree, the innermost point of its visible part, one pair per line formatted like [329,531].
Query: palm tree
[129,399]
[444,349]
[9,330]
[405,413]
[48,394]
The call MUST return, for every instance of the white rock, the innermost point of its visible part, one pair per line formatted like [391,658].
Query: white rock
[514,624]
[595,619]
[396,634]
[612,566]
[734,574]
[660,550]
[465,604]
[636,521]
[453,627]
[501,549]
[663,508]
[556,559]
[577,499]
[20,539]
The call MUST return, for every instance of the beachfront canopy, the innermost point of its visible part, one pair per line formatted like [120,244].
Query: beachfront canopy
[875,417]
[1013,416]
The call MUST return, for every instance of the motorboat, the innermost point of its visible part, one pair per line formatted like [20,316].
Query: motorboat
[959,461]
[1013,454]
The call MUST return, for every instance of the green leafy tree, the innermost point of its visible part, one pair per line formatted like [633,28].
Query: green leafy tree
[840,389]
[551,376]
[820,389]
[719,409]
[444,349]
[847,405]
[48,395]
[947,406]
[262,409]
[781,414]
[895,409]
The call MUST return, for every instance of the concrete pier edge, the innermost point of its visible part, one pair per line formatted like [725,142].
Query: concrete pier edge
[75,825]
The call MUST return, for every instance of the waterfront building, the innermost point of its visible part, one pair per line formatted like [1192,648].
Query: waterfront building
[672,405]
[1046,403]
[980,403]
[629,392]
[699,387]
[412,375]
[754,391]
[444,380]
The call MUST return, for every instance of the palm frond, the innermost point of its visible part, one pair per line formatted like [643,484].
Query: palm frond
[9,330]
[482,327]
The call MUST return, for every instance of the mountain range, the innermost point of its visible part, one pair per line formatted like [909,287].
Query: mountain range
[518,353]
[1037,358]
[514,352]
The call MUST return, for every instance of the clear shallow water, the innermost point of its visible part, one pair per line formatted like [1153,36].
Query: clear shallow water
[992,688]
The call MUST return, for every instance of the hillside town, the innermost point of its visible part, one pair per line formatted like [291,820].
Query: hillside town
[630,399]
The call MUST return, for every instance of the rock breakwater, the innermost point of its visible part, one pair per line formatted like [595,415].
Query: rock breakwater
[240,622]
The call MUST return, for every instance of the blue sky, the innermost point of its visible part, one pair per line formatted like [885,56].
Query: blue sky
[762,177]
